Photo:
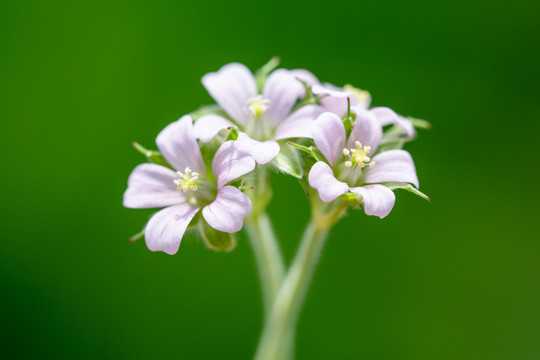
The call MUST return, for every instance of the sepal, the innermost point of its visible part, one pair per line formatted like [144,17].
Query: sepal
[152,156]
[214,239]
[264,71]
[348,122]
[310,150]
[408,187]
[419,123]
[288,161]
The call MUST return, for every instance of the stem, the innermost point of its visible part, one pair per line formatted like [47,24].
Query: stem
[267,256]
[277,339]
[263,240]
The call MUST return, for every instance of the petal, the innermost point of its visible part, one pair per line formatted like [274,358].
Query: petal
[406,125]
[378,200]
[165,229]
[387,116]
[232,86]
[152,186]
[261,151]
[229,163]
[297,124]
[393,166]
[178,145]
[335,99]
[305,76]
[227,212]
[206,127]
[329,135]
[283,90]
[367,130]
[322,178]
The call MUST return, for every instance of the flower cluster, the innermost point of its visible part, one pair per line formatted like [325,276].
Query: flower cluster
[284,120]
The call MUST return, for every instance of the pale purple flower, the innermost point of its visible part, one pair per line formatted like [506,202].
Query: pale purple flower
[350,167]
[192,188]
[334,99]
[262,119]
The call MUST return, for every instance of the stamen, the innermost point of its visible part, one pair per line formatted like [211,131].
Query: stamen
[258,106]
[358,156]
[187,181]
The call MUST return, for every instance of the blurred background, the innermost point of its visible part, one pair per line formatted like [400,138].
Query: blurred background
[457,278]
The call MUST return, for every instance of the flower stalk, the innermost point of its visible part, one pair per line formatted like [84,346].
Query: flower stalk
[277,340]
[278,336]
[267,256]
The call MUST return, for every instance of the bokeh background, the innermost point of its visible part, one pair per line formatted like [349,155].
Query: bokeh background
[457,278]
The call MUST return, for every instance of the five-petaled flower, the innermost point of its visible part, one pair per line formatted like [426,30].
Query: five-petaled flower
[262,119]
[192,188]
[351,168]
[337,100]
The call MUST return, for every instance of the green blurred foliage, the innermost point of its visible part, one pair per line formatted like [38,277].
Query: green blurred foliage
[457,278]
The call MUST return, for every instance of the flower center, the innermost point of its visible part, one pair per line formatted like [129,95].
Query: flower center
[187,181]
[258,106]
[358,156]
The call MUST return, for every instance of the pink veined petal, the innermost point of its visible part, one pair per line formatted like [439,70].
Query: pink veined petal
[152,186]
[206,127]
[322,178]
[166,228]
[393,166]
[283,90]
[387,116]
[261,151]
[329,135]
[378,200]
[232,86]
[178,145]
[305,76]
[227,212]
[229,163]
[297,124]
[335,99]
[367,130]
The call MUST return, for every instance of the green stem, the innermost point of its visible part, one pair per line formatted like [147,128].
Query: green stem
[267,256]
[277,340]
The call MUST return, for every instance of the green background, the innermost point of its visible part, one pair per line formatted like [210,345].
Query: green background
[457,278]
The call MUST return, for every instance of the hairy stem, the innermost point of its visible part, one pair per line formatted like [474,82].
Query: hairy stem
[267,255]
[277,340]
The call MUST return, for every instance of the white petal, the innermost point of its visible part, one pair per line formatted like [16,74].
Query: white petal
[329,135]
[393,166]
[261,151]
[367,130]
[305,76]
[227,212]
[387,116]
[178,145]
[283,90]
[152,186]
[406,125]
[297,124]
[335,99]
[232,86]
[378,200]
[165,229]
[206,127]
[322,178]
[229,163]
